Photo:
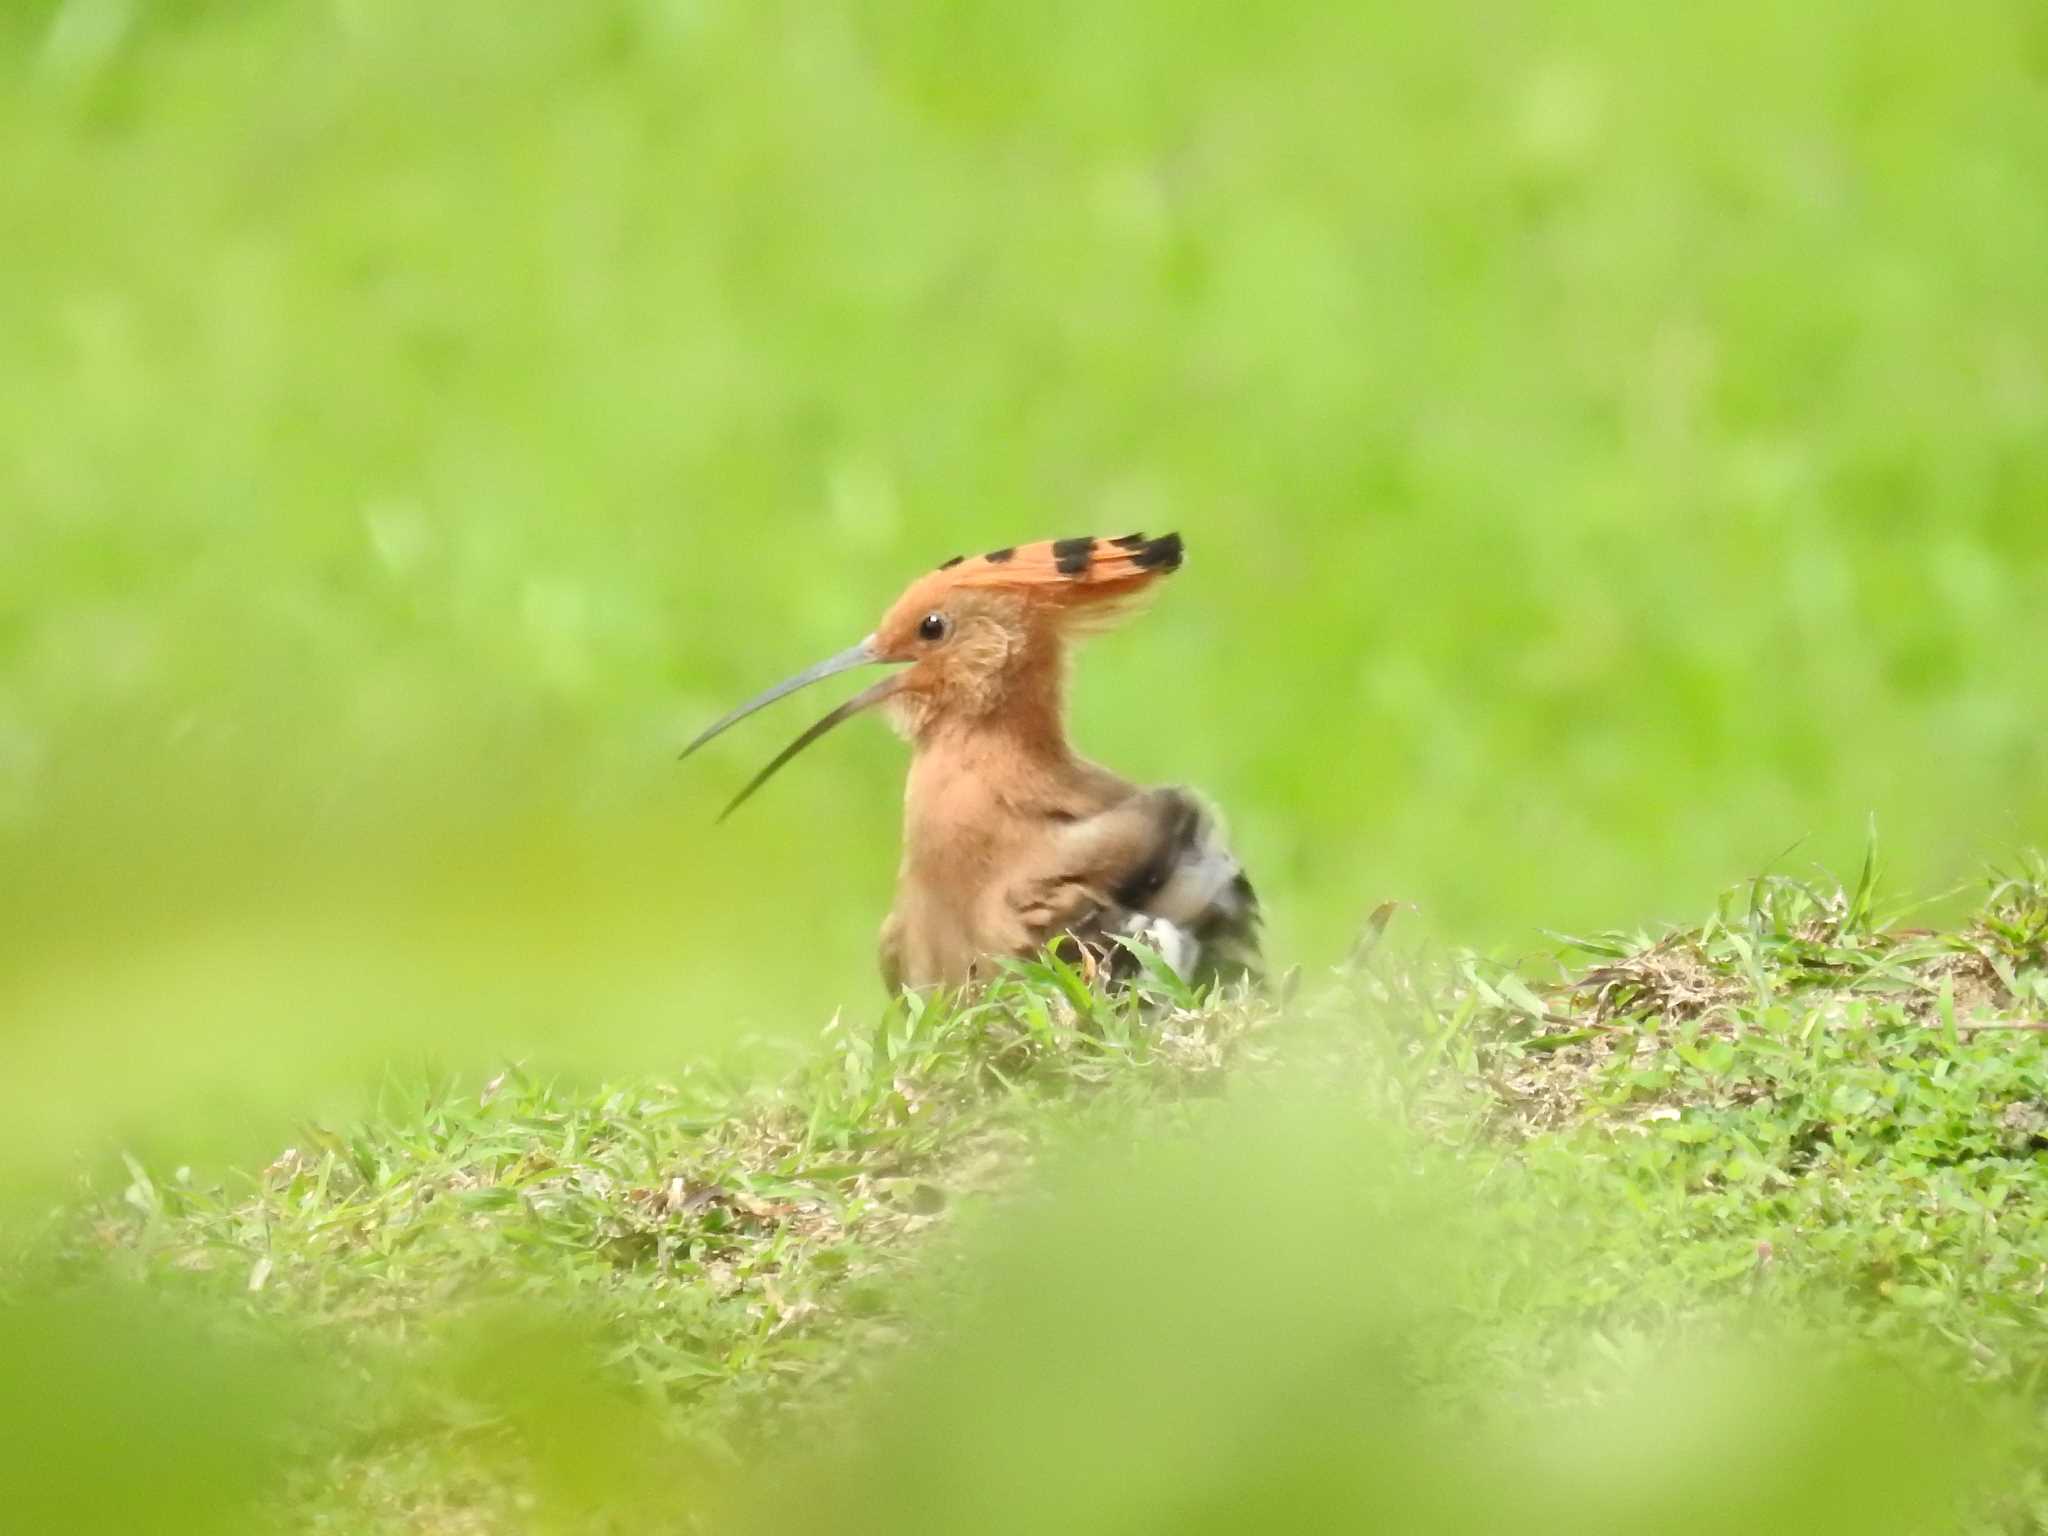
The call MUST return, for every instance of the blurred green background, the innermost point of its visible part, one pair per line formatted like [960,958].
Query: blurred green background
[1612,445]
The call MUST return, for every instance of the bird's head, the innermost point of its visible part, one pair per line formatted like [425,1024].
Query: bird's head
[974,636]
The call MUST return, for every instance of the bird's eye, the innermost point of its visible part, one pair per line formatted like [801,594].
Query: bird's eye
[933,627]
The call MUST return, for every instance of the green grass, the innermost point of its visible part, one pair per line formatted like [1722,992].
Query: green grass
[736,1243]
[541,1308]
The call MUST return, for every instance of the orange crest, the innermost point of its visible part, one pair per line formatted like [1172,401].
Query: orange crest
[1065,576]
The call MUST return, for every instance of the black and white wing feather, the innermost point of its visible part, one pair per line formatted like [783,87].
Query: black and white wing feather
[1153,869]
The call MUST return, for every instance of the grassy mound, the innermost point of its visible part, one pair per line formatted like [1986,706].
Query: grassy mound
[1797,1112]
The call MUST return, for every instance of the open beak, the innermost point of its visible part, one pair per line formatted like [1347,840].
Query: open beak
[862,655]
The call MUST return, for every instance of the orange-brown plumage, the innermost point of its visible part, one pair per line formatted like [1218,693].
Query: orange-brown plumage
[1011,841]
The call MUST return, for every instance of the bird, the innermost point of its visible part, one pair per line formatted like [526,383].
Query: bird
[1014,844]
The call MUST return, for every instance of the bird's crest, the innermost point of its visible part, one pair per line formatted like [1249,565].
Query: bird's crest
[1071,569]
[1069,577]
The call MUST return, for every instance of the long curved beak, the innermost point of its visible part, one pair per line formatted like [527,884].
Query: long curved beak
[861,655]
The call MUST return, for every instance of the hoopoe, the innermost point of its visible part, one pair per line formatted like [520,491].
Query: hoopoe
[1011,841]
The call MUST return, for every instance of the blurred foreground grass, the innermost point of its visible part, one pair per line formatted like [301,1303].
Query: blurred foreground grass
[1611,446]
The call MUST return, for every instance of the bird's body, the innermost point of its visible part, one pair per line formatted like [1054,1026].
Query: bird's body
[1006,863]
[1011,841]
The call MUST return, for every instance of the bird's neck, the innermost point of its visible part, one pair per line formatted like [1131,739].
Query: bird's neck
[1027,737]
[1021,719]
[973,774]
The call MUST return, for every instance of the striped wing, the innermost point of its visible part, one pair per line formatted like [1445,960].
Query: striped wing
[1153,869]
